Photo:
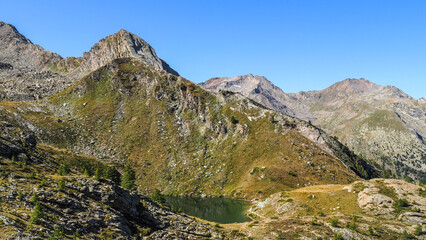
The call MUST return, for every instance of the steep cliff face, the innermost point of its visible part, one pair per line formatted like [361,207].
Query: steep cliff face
[380,122]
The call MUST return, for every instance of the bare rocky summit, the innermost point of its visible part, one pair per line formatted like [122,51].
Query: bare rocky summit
[122,44]
[382,123]
[24,73]
[20,52]
[262,91]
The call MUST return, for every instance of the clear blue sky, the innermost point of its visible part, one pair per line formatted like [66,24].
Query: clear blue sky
[298,45]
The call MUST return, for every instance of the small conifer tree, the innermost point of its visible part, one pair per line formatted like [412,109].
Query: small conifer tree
[128,178]
[64,169]
[86,172]
[158,197]
[61,185]
[418,230]
[34,199]
[112,174]
[97,175]
[76,235]
[58,233]
[20,195]
[37,214]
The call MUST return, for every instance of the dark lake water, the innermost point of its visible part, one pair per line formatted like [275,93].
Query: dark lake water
[220,210]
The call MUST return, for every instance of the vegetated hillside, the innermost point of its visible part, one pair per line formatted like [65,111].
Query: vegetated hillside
[185,140]
[43,194]
[381,123]
[159,121]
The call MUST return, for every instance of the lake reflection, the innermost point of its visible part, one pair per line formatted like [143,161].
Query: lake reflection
[220,210]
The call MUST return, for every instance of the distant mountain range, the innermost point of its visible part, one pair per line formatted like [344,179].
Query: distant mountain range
[382,123]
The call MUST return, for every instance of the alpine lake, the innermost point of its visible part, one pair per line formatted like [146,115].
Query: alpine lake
[214,209]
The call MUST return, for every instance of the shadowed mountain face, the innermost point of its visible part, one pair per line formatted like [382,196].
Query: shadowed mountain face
[380,122]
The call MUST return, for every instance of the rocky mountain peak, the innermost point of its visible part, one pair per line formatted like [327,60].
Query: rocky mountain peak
[259,89]
[8,33]
[396,92]
[121,45]
[20,52]
[243,84]
[353,85]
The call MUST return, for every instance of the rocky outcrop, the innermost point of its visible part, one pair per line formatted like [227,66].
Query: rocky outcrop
[15,140]
[370,200]
[5,66]
[379,197]
[94,208]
